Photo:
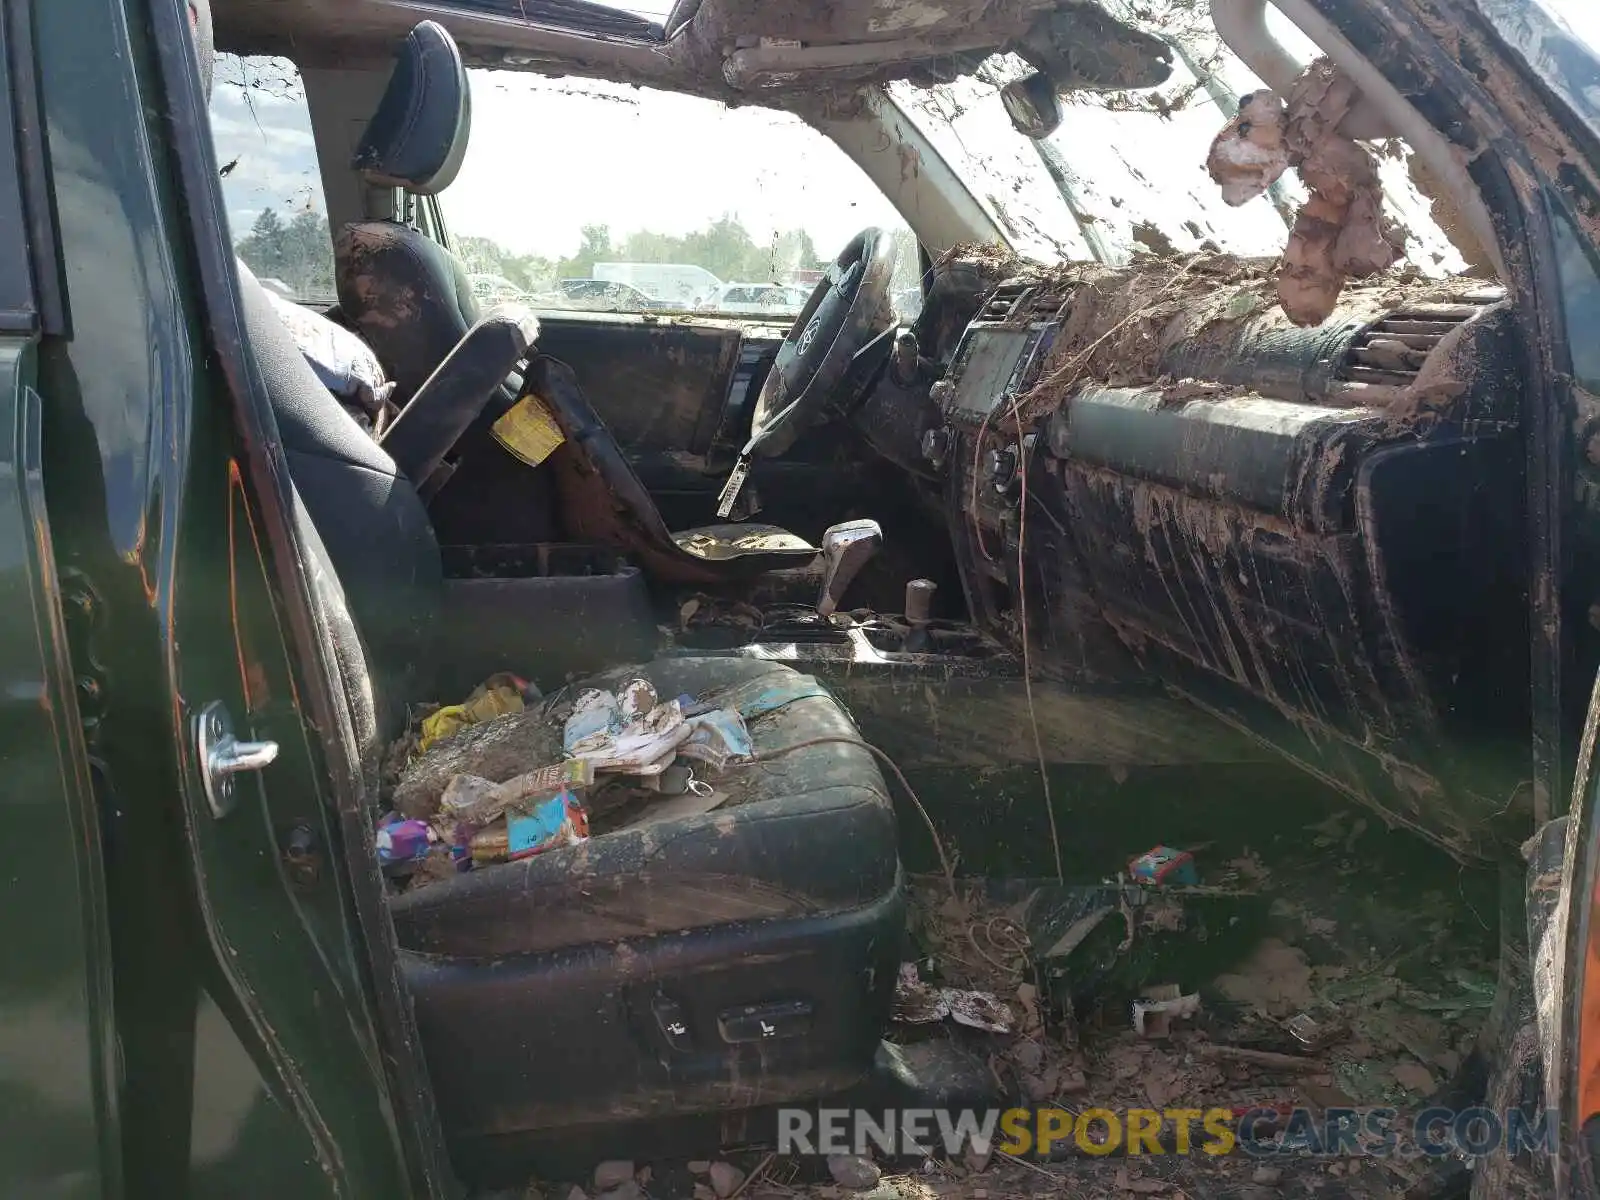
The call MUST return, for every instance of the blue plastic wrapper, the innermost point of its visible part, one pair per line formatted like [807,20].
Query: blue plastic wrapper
[403,842]
[558,821]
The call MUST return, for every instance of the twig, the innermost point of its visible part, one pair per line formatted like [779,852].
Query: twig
[1063,375]
[761,1168]
[972,492]
[972,937]
[1027,661]
[1261,1058]
[1022,1162]
[839,739]
[1059,376]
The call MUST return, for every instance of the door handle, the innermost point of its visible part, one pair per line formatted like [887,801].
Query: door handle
[222,756]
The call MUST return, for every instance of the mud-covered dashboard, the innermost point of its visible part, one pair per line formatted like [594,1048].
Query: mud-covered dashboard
[1315,534]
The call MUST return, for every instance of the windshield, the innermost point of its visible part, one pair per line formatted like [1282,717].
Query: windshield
[1125,174]
[674,203]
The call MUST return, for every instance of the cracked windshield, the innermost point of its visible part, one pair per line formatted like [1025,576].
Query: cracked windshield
[668,220]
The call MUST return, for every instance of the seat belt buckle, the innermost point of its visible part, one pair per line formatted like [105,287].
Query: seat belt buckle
[735,484]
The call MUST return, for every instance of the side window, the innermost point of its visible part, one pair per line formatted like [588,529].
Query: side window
[270,178]
[672,197]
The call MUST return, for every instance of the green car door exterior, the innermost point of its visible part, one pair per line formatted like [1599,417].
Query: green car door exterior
[192,1001]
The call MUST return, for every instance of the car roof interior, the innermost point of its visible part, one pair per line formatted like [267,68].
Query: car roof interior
[735,50]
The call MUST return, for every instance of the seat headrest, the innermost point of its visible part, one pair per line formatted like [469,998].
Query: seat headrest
[418,137]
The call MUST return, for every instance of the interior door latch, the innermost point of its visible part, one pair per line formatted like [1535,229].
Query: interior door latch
[222,756]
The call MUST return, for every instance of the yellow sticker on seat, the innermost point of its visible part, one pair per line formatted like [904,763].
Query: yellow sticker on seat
[529,431]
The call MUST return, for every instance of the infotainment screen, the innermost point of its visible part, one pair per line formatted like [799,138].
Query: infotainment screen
[993,359]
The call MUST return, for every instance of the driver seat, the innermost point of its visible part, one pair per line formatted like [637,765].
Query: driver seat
[411,301]
[406,295]
[603,501]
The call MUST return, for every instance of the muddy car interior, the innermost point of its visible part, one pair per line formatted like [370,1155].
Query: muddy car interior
[1183,510]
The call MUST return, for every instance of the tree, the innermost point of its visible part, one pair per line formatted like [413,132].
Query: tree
[792,250]
[310,254]
[265,248]
[726,249]
[300,252]
[594,245]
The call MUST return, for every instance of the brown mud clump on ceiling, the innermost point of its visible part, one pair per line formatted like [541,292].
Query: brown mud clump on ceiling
[1340,232]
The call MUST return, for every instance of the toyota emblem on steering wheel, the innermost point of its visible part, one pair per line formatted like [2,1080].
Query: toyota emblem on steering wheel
[807,337]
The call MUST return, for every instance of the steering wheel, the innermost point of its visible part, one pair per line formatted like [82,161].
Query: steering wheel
[847,309]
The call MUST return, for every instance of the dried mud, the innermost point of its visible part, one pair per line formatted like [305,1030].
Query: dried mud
[1340,232]
[1119,323]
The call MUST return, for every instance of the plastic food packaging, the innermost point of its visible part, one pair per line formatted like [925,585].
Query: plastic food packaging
[635,734]
[476,802]
[558,821]
[1164,865]
[401,841]
[495,697]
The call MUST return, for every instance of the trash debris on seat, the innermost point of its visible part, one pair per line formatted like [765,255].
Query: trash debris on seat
[400,841]
[558,821]
[463,803]
[638,734]
[495,697]
[478,802]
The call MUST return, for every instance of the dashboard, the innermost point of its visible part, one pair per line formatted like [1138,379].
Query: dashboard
[1301,530]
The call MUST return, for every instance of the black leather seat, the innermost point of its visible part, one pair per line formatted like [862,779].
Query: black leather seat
[405,294]
[630,974]
[654,971]
[411,301]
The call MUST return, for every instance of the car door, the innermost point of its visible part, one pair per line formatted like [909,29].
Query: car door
[261,1044]
[58,1044]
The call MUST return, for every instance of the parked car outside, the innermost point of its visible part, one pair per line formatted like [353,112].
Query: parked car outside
[604,295]
[775,298]
[496,289]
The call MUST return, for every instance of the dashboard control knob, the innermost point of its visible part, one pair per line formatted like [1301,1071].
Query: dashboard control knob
[936,447]
[1002,468]
[907,355]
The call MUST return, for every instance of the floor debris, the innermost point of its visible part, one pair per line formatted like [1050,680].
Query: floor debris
[915,1003]
[1286,981]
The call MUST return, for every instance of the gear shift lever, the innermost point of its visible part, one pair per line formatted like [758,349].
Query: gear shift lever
[846,548]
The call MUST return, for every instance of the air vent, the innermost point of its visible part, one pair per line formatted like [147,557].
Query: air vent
[1392,351]
[1003,302]
[1017,301]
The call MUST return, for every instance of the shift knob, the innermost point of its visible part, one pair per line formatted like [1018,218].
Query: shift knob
[919,601]
[846,548]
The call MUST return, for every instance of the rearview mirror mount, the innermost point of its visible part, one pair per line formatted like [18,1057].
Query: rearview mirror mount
[1032,104]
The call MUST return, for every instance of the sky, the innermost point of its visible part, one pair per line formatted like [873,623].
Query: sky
[1581,16]
[670,163]
[674,163]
